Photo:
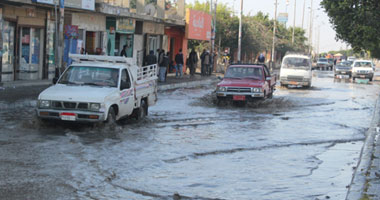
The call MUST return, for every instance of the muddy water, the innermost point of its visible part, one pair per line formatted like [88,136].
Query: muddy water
[302,144]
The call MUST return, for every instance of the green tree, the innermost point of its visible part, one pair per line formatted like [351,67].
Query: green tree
[356,22]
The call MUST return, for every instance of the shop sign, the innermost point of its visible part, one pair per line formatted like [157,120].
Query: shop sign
[126,25]
[44,1]
[198,25]
[82,4]
[71,32]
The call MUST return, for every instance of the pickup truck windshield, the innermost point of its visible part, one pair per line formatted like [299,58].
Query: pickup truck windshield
[244,72]
[296,62]
[363,64]
[94,76]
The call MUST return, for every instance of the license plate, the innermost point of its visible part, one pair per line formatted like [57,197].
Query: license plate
[68,116]
[343,72]
[362,76]
[239,98]
[293,83]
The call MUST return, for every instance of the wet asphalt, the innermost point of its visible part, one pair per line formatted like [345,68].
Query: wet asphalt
[302,144]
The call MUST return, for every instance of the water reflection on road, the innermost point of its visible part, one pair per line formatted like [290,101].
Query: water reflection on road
[302,144]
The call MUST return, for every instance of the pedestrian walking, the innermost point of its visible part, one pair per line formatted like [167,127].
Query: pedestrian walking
[203,67]
[179,64]
[261,58]
[193,57]
[163,63]
[207,62]
[150,59]
[124,51]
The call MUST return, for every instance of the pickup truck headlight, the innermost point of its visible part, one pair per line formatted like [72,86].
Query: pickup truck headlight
[95,106]
[44,103]
[221,89]
[255,90]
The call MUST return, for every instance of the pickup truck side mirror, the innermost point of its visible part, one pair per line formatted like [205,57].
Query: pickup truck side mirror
[125,85]
[55,80]
[268,78]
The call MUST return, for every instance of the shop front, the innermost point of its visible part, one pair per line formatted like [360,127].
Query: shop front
[125,29]
[92,34]
[176,41]
[23,35]
[154,37]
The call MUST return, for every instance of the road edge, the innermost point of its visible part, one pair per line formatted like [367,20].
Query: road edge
[359,183]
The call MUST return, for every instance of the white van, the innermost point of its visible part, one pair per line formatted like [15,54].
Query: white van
[296,70]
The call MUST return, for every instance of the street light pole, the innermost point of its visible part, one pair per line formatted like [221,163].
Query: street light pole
[311,27]
[274,33]
[294,20]
[240,27]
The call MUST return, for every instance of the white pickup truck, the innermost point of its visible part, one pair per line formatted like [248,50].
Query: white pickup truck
[100,89]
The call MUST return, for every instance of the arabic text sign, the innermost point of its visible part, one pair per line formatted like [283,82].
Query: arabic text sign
[198,25]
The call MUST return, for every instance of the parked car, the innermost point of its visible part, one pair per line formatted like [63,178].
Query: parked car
[100,89]
[322,64]
[246,82]
[363,69]
[296,70]
[343,68]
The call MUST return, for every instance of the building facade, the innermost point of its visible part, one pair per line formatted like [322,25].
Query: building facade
[28,38]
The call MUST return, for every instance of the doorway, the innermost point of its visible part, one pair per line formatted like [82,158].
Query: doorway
[31,53]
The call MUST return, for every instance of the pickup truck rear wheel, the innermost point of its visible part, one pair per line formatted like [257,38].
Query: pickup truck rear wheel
[270,95]
[142,110]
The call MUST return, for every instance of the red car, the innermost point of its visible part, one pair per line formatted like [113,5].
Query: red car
[246,82]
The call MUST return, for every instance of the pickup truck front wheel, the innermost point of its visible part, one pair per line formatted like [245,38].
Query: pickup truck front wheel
[111,117]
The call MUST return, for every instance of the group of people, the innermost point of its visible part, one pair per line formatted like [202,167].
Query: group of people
[163,61]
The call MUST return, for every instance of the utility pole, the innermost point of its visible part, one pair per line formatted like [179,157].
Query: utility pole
[240,27]
[303,12]
[60,35]
[213,32]
[311,27]
[213,45]
[294,20]
[274,33]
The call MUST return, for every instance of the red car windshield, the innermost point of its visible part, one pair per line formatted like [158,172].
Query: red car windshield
[244,72]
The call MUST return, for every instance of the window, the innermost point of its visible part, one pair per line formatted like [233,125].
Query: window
[125,78]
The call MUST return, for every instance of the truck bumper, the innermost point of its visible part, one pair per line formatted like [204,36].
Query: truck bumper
[356,75]
[230,95]
[299,83]
[70,115]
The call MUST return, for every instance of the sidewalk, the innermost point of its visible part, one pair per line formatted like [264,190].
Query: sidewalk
[365,184]
[171,82]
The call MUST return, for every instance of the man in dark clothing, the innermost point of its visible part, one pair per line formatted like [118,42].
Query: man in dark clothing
[124,51]
[203,67]
[163,62]
[261,58]
[207,63]
[179,63]
[151,58]
[193,57]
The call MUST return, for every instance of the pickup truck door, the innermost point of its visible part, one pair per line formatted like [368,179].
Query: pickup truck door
[127,94]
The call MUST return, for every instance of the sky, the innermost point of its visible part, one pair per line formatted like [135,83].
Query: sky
[327,41]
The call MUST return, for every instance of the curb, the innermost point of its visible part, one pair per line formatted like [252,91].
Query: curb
[15,84]
[185,84]
[358,184]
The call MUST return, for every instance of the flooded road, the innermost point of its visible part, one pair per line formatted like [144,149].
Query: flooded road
[302,144]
